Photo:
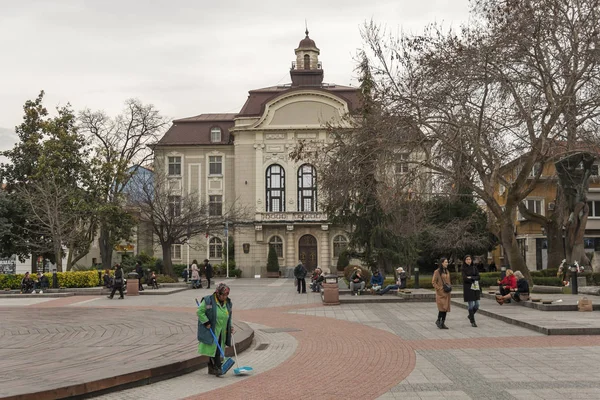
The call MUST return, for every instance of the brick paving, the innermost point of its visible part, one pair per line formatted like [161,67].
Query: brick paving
[383,351]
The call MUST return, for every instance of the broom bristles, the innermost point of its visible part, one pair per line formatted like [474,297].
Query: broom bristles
[227,365]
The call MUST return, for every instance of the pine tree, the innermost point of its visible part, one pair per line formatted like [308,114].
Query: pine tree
[272,261]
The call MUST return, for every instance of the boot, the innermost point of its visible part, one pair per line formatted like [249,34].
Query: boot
[438,323]
[443,325]
[473,324]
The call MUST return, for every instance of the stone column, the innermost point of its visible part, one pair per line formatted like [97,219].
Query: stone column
[325,252]
[290,253]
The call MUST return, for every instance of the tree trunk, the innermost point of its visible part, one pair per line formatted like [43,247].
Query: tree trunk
[106,249]
[58,256]
[556,250]
[575,232]
[167,263]
[511,248]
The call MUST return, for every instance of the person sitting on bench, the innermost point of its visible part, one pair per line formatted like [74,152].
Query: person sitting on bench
[152,281]
[508,283]
[107,279]
[521,292]
[376,281]
[357,282]
[42,282]
[27,284]
[398,284]
[316,280]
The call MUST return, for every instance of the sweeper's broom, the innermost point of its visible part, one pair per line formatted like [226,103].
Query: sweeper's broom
[240,370]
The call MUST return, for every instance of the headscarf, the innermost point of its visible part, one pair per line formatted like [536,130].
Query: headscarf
[221,289]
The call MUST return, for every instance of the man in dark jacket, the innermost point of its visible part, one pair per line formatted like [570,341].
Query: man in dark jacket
[140,271]
[117,282]
[208,271]
[300,274]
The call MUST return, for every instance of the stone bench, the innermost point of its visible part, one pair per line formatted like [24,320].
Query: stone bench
[546,289]
[591,290]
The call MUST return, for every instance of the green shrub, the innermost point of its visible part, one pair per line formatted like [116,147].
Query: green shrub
[365,272]
[178,269]
[343,261]
[272,261]
[546,281]
[236,272]
[70,279]
[160,278]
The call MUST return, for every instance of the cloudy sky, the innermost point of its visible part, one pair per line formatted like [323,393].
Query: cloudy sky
[186,57]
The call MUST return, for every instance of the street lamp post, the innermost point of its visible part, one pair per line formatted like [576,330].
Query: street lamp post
[227,247]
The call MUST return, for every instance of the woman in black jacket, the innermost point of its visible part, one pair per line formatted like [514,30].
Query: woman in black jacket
[117,282]
[471,289]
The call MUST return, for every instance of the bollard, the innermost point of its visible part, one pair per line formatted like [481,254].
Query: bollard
[574,284]
[100,283]
[54,280]
[416,285]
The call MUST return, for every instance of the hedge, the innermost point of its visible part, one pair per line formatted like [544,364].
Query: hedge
[71,279]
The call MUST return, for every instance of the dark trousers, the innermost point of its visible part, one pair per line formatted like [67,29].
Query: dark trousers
[301,285]
[115,288]
[140,286]
[503,291]
[216,360]
[207,282]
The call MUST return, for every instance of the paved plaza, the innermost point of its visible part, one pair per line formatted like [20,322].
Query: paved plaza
[300,348]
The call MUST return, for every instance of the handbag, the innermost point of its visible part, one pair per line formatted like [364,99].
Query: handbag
[447,287]
[475,285]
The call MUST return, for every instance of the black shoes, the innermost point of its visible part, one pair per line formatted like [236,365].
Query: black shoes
[438,323]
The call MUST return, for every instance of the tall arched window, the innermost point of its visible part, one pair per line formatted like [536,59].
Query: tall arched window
[340,243]
[306,61]
[275,188]
[307,188]
[215,247]
[277,244]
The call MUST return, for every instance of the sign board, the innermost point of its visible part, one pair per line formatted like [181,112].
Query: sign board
[8,266]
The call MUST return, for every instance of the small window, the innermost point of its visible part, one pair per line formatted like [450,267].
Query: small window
[306,61]
[535,206]
[174,206]
[215,205]
[215,247]
[340,243]
[215,135]
[535,170]
[175,166]
[176,252]
[402,163]
[277,244]
[215,165]
[594,209]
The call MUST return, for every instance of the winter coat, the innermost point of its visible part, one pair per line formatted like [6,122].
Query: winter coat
[377,280]
[468,293]
[300,272]
[510,281]
[208,271]
[118,281]
[219,317]
[442,298]
[195,273]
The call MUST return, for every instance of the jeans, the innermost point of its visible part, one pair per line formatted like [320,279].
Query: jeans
[473,305]
[353,286]
[388,288]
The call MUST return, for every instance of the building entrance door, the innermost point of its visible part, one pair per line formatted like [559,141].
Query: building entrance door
[307,248]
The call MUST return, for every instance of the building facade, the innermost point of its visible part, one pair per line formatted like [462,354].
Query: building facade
[243,159]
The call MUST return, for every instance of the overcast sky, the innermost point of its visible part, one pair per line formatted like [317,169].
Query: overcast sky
[186,57]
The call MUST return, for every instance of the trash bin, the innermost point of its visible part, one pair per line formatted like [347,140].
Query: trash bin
[331,291]
[133,284]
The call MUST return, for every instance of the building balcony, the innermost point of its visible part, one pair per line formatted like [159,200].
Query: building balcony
[293,216]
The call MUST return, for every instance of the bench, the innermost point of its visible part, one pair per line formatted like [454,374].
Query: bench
[546,289]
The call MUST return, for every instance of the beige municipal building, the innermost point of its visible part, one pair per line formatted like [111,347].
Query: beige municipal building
[243,158]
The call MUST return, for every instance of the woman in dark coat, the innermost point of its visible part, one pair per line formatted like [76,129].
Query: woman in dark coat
[471,288]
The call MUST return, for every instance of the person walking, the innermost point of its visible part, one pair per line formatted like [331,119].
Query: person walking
[300,274]
[471,287]
[196,283]
[215,313]
[117,282]
[443,286]
[140,271]
[208,271]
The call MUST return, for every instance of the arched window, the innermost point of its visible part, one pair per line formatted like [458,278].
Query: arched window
[277,244]
[307,188]
[275,188]
[340,243]
[306,61]
[215,247]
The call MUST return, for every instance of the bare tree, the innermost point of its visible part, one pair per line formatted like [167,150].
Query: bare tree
[176,217]
[120,146]
[501,88]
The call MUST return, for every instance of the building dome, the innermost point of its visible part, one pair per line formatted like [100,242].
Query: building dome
[307,43]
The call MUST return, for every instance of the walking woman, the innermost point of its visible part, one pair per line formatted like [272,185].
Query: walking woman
[215,313]
[443,286]
[196,282]
[471,289]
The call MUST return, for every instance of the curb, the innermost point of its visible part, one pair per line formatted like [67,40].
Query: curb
[142,377]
